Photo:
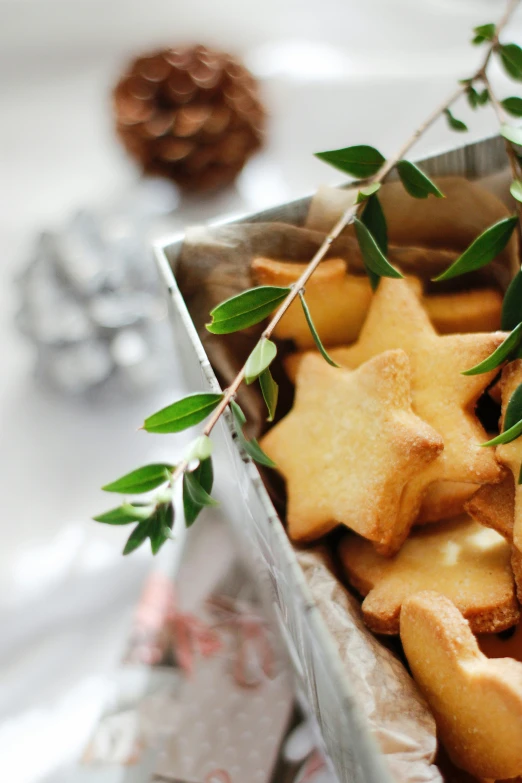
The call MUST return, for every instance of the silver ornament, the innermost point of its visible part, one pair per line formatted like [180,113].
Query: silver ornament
[90,299]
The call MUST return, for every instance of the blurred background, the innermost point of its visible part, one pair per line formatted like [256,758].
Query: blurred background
[331,74]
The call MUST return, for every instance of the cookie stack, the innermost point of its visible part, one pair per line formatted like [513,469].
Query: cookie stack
[390,445]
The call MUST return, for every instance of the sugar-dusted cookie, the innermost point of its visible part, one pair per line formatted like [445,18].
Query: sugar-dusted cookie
[465,311]
[493,505]
[444,500]
[349,445]
[510,454]
[442,396]
[338,301]
[460,559]
[476,701]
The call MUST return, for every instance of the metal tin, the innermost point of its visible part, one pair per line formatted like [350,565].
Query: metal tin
[321,675]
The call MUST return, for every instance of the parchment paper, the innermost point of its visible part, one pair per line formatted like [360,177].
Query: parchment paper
[398,715]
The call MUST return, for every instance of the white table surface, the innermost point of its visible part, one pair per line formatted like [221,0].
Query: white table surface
[334,73]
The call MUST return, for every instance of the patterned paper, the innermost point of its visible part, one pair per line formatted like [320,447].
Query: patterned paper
[202,694]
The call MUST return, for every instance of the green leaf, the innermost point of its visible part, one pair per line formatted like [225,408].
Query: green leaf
[512,304]
[359,161]
[512,420]
[197,493]
[136,538]
[246,309]
[454,123]
[473,97]
[366,192]
[261,357]
[139,510]
[476,99]
[514,135]
[483,250]
[373,258]
[516,189]
[183,414]
[125,514]
[161,526]
[500,355]
[513,106]
[374,220]
[270,391]
[514,409]
[141,480]
[204,474]
[505,437]
[511,57]
[317,339]
[477,40]
[200,449]
[485,31]
[238,414]
[415,182]
[254,450]
[252,447]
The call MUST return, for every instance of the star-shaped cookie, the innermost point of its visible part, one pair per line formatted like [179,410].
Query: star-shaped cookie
[461,559]
[349,446]
[441,395]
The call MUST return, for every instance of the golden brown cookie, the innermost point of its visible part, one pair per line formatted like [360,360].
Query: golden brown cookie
[442,396]
[349,445]
[510,454]
[338,302]
[476,702]
[493,505]
[460,559]
[444,500]
[465,311]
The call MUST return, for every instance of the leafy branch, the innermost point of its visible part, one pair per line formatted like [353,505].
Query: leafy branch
[155,519]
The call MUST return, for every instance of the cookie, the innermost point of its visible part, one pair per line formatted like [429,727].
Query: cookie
[476,701]
[465,311]
[516,567]
[441,395]
[493,505]
[510,454]
[338,301]
[460,559]
[349,446]
[444,500]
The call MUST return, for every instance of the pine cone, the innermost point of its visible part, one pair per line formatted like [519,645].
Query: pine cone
[190,114]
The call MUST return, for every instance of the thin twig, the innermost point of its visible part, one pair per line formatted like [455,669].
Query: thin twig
[345,219]
[502,22]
